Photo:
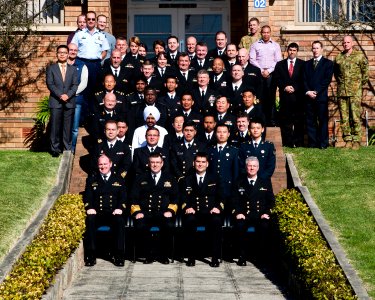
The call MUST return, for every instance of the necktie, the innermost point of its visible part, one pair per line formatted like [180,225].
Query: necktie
[172,56]
[186,115]
[184,74]
[110,146]
[171,97]
[162,71]
[63,71]
[315,63]
[291,68]
[202,95]
[188,145]
[105,178]
[251,182]
[220,118]
[220,149]
[116,73]
[152,149]
[215,78]
[141,96]
[242,135]
[208,137]
[200,64]
[220,52]
[235,89]
[255,145]
[200,181]
[154,178]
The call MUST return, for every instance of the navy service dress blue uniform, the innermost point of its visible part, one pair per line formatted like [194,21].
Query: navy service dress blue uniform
[252,201]
[266,154]
[120,155]
[153,201]
[182,158]
[202,199]
[105,197]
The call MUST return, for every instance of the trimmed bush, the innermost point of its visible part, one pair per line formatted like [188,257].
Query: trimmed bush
[307,251]
[59,235]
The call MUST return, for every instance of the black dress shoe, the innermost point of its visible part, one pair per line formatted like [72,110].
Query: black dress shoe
[214,263]
[119,262]
[90,261]
[164,260]
[241,262]
[55,154]
[190,262]
[148,260]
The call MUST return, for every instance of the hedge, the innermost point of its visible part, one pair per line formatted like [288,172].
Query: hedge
[59,235]
[307,251]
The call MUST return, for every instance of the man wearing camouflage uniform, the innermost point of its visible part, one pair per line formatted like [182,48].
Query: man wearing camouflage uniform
[351,73]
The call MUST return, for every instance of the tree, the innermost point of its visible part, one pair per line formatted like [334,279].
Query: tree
[19,39]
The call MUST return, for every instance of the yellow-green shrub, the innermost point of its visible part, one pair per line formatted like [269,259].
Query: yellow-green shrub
[314,262]
[59,236]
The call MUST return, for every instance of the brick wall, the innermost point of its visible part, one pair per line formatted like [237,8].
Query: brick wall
[17,121]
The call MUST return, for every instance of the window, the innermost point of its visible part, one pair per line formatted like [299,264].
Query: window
[321,10]
[46,11]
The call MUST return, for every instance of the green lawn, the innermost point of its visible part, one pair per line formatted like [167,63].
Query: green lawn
[342,182]
[26,178]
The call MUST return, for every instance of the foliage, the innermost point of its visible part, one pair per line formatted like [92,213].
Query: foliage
[26,179]
[19,45]
[35,138]
[371,140]
[314,262]
[58,237]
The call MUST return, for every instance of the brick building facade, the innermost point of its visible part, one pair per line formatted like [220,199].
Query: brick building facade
[284,17]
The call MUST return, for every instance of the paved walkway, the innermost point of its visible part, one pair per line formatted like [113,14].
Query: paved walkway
[174,281]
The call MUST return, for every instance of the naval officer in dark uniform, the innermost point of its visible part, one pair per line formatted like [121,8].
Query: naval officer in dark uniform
[202,205]
[154,203]
[105,198]
[252,202]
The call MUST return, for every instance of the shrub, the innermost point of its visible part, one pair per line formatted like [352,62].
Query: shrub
[313,261]
[59,236]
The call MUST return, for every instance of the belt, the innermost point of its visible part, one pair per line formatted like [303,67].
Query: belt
[89,60]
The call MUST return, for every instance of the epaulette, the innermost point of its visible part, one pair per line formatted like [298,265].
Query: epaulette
[100,141]
[120,93]
[132,93]
[97,93]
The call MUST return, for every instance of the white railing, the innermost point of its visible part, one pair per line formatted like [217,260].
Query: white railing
[46,11]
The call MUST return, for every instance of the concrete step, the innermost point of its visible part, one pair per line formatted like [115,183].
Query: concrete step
[174,281]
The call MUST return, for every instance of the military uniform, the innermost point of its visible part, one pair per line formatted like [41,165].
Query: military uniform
[119,154]
[98,120]
[351,73]
[247,40]
[120,98]
[236,139]
[202,198]
[182,158]
[252,201]
[224,164]
[266,154]
[153,201]
[141,156]
[105,197]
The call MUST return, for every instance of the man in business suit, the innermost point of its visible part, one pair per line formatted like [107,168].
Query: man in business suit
[252,202]
[62,82]
[317,77]
[288,77]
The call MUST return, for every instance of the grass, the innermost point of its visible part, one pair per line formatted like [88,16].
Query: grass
[26,178]
[342,182]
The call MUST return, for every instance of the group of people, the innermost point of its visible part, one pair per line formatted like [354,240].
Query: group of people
[182,134]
